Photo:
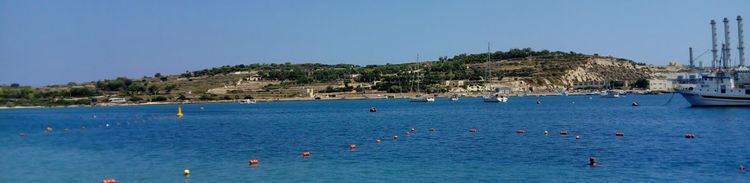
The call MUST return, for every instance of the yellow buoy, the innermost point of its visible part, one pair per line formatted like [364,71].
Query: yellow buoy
[49,128]
[186,172]
[412,129]
[179,111]
[545,132]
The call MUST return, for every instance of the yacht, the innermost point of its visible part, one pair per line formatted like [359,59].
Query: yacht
[419,97]
[454,97]
[611,94]
[247,101]
[495,98]
[492,95]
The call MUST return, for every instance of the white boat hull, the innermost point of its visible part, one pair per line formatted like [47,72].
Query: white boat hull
[422,99]
[495,99]
[705,99]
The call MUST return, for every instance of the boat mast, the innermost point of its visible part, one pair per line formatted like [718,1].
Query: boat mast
[489,70]
[417,73]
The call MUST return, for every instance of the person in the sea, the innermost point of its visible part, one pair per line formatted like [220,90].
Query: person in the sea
[592,161]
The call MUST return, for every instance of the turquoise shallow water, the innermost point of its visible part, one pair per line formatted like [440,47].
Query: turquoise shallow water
[216,142]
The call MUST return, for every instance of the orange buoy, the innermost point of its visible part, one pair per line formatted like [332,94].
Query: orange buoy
[407,133]
[352,147]
[635,104]
[21,134]
[472,130]
[520,131]
[306,154]
[689,136]
[372,109]
[109,181]
[253,162]
[619,134]
[432,129]
[377,141]
[563,132]
[395,137]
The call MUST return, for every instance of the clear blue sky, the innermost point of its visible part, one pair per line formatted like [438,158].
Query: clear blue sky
[54,42]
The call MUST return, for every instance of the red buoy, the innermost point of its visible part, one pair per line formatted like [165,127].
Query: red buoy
[83,127]
[635,104]
[253,162]
[407,133]
[689,136]
[306,154]
[109,181]
[377,141]
[520,131]
[21,134]
[432,129]
[372,109]
[563,132]
[472,130]
[619,134]
[352,147]
[395,137]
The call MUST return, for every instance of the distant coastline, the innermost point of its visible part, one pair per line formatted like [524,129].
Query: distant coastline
[344,97]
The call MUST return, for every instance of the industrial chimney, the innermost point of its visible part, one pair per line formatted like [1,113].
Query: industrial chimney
[726,48]
[713,46]
[741,46]
[692,64]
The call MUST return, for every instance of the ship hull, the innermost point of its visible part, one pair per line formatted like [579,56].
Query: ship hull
[495,99]
[708,100]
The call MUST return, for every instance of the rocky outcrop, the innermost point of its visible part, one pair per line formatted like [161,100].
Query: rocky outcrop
[604,69]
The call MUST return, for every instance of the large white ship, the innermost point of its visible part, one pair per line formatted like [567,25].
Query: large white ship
[716,91]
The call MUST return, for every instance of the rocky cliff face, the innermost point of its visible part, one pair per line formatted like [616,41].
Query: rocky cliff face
[604,69]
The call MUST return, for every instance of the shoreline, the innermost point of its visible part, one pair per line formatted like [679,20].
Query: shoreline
[344,97]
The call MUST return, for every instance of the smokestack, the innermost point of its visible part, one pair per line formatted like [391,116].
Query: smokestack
[741,46]
[713,39]
[727,50]
[692,64]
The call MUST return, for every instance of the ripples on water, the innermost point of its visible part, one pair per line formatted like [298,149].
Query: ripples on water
[216,143]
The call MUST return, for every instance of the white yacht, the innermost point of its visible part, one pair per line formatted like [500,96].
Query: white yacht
[492,95]
[247,101]
[419,97]
[495,98]
[454,97]
[611,94]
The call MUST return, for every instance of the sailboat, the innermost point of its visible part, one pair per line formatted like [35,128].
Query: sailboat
[492,96]
[419,97]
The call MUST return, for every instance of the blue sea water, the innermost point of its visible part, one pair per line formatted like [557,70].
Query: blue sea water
[216,141]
